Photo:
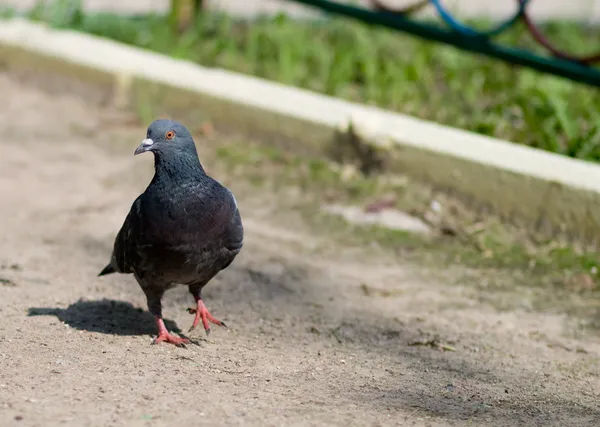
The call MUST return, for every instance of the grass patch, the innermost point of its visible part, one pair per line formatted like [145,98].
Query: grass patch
[463,237]
[497,264]
[347,59]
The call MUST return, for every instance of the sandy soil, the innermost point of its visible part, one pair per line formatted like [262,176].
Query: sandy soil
[305,346]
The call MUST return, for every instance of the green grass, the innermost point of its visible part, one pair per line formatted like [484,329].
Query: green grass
[481,241]
[376,66]
[498,264]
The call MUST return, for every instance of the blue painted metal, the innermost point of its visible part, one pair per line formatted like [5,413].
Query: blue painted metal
[468,31]
[472,43]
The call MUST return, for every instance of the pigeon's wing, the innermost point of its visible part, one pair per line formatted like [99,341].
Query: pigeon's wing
[234,234]
[124,251]
[207,217]
[235,240]
[217,222]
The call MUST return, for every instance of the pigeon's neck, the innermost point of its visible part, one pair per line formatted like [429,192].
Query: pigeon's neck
[181,168]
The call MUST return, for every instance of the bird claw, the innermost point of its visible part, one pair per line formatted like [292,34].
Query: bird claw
[171,339]
[202,314]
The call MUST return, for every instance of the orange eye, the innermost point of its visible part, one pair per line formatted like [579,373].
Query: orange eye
[170,134]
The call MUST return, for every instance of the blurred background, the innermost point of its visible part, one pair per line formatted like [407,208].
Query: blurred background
[362,298]
[343,57]
[543,9]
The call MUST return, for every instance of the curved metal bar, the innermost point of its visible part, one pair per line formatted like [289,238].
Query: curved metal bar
[468,31]
[546,64]
[541,39]
[406,10]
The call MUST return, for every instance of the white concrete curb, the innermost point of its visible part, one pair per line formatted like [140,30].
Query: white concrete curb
[541,189]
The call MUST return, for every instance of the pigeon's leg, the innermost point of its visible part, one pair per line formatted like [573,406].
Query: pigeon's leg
[202,312]
[166,336]
[155,307]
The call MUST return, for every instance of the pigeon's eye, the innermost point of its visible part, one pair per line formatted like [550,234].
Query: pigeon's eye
[170,134]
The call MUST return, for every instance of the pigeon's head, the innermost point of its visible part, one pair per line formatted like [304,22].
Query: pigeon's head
[165,137]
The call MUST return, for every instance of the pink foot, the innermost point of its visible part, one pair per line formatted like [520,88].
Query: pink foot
[164,335]
[202,313]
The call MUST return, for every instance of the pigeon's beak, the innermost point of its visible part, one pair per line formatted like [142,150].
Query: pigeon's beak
[144,146]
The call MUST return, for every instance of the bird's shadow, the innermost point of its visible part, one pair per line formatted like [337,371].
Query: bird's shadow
[105,316]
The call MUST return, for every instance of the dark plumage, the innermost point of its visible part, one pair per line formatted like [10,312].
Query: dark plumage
[183,229]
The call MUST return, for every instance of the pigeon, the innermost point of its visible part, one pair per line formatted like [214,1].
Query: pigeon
[182,230]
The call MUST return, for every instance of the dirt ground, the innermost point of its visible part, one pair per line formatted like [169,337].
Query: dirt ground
[305,346]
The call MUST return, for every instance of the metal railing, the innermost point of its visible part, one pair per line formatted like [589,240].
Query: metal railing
[459,35]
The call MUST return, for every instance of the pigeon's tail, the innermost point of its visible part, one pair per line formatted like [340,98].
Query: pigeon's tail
[107,270]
